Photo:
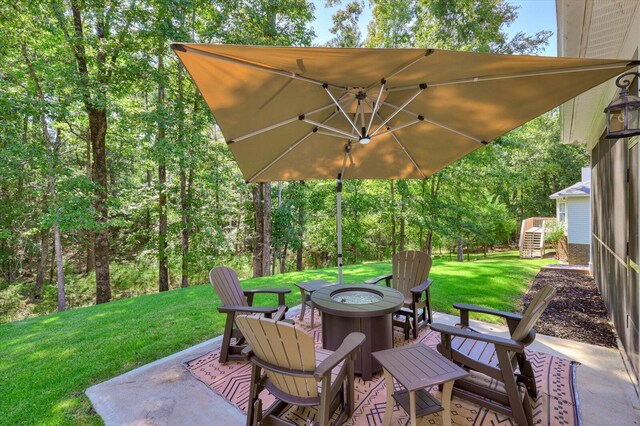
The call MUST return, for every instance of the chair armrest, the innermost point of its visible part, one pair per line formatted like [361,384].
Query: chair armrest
[461,332]
[267,290]
[421,287]
[247,352]
[512,319]
[248,309]
[279,291]
[349,345]
[376,280]
[280,313]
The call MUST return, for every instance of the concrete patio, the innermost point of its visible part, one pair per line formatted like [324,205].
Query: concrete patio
[165,393]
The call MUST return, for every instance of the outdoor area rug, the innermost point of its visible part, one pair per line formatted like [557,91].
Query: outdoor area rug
[557,403]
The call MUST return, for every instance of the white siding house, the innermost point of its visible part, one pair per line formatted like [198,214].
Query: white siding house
[573,209]
[579,220]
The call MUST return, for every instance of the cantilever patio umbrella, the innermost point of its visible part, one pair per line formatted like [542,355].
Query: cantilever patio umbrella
[290,113]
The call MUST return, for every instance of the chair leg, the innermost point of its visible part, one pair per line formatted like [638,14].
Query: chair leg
[513,393]
[527,376]
[324,410]
[254,406]
[226,339]
[313,309]
[415,321]
[528,410]
[429,318]
[303,305]
[350,385]
[407,327]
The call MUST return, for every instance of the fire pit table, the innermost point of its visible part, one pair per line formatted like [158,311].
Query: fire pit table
[363,308]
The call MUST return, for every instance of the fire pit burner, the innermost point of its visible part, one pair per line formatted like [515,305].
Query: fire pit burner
[356,297]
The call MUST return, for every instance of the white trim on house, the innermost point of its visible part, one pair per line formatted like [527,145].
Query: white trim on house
[609,30]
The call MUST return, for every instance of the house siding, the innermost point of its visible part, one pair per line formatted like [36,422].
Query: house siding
[578,220]
[613,222]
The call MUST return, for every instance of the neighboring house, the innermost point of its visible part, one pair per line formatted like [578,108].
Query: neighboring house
[573,210]
[607,29]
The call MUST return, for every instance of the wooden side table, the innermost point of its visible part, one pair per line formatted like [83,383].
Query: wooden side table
[306,290]
[416,367]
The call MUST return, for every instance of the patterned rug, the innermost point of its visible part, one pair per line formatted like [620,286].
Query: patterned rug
[557,402]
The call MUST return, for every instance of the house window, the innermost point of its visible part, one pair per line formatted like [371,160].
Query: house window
[562,212]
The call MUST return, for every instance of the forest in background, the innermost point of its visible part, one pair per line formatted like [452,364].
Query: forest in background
[115,181]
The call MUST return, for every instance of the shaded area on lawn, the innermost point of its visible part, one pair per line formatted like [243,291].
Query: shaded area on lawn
[577,311]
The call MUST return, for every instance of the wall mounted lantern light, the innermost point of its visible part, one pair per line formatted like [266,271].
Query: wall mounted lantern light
[623,113]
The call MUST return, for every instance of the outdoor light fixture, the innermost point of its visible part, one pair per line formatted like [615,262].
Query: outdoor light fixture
[365,140]
[623,114]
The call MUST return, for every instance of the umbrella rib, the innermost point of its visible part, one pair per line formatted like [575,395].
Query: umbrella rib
[403,67]
[395,129]
[408,155]
[289,149]
[404,149]
[435,123]
[332,129]
[256,66]
[280,124]
[517,75]
[376,106]
[326,88]
[330,134]
[400,108]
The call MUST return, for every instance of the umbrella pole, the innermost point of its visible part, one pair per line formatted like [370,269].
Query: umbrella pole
[347,153]
[339,224]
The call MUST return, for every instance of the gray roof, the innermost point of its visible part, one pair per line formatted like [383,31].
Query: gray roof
[580,189]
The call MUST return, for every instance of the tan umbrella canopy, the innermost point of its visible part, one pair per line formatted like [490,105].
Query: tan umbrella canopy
[287,113]
[291,113]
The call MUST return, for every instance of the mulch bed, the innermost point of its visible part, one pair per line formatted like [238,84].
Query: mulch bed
[577,311]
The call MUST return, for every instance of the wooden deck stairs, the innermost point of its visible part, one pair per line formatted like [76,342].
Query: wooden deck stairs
[532,236]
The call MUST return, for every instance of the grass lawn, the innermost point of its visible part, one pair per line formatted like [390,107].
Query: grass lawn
[46,363]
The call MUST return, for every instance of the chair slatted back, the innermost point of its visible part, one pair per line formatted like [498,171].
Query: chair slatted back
[282,345]
[410,268]
[225,282]
[533,312]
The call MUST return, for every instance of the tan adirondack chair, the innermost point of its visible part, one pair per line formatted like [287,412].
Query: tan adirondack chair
[409,276]
[500,358]
[235,301]
[287,364]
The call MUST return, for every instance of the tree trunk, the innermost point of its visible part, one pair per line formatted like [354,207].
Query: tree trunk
[429,243]
[57,244]
[97,116]
[98,126]
[42,264]
[402,220]
[259,230]
[184,204]
[266,239]
[435,186]
[300,234]
[393,219]
[283,259]
[299,258]
[460,253]
[59,267]
[184,191]
[52,148]
[421,242]
[163,271]
[91,256]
